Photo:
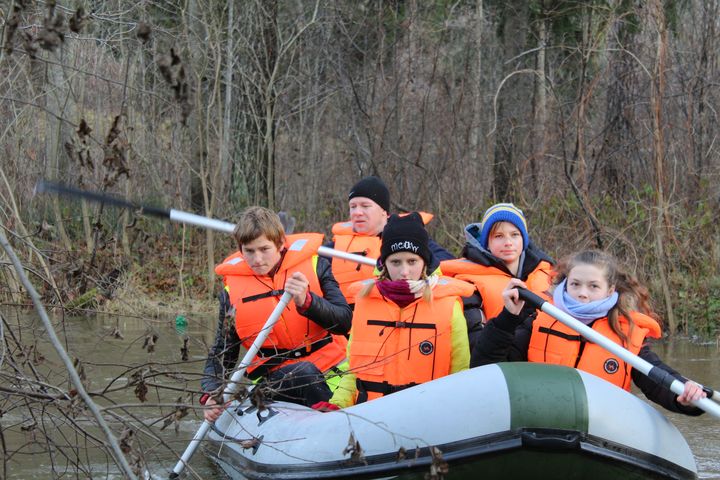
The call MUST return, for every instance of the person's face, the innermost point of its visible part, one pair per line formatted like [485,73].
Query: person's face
[261,255]
[404,266]
[505,242]
[367,217]
[587,283]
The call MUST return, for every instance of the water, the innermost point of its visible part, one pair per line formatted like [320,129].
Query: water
[699,362]
[39,439]
[52,448]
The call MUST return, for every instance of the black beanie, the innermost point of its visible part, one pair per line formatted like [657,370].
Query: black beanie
[374,189]
[405,234]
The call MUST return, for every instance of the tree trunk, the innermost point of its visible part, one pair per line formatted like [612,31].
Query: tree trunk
[619,156]
[700,118]
[270,37]
[656,103]
[53,128]
[539,103]
[221,172]
[576,168]
[195,122]
[476,87]
[225,146]
[512,108]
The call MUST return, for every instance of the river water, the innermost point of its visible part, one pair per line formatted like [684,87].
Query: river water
[41,443]
[700,362]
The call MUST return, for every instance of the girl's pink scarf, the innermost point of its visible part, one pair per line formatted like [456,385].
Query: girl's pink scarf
[397,291]
[405,292]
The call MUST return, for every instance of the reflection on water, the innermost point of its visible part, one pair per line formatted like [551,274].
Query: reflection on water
[110,361]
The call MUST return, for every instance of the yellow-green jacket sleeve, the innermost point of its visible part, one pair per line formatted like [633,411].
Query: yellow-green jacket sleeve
[460,342]
[344,395]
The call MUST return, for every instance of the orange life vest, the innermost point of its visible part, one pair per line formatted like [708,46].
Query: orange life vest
[346,272]
[392,348]
[490,281]
[553,342]
[295,337]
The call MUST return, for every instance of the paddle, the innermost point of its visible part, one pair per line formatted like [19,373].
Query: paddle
[234,379]
[655,373]
[176,216]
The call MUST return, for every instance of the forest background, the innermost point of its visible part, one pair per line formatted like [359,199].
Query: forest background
[597,118]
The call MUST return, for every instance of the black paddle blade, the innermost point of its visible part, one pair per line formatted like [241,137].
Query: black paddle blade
[43,186]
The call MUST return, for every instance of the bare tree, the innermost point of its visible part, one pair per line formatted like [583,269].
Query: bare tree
[657,16]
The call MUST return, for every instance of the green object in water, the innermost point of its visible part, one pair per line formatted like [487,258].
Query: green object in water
[180,324]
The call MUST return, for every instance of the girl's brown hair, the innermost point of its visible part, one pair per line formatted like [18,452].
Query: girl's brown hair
[631,294]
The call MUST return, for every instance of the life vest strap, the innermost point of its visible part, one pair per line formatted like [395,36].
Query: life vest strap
[295,352]
[383,388]
[572,338]
[364,254]
[260,296]
[277,356]
[387,323]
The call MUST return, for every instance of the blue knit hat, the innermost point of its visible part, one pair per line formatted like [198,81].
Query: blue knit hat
[503,212]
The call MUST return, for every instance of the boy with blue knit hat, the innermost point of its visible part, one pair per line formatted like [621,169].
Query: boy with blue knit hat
[503,212]
[497,250]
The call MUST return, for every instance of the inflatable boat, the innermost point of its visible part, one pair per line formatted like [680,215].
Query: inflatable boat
[504,421]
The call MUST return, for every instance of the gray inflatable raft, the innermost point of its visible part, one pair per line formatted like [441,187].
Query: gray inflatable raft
[511,420]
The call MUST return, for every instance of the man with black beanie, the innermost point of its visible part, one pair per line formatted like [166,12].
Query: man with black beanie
[369,205]
[374,189]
